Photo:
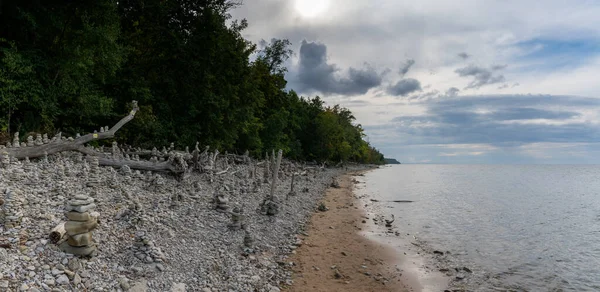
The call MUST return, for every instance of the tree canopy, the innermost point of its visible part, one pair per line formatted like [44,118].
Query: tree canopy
[72,66]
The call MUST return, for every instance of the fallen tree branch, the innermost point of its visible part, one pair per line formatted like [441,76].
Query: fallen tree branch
[61,145]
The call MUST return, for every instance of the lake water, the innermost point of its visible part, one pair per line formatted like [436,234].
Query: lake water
[517,227]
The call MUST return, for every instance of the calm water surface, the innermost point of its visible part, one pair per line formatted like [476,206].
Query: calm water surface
[519,227]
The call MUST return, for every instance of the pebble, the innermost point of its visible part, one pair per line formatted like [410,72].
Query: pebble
[160,267]
[4,284]
[124,283]
[76,279]
[62,280]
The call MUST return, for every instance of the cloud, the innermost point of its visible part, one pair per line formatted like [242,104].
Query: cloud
[314,73]
[497,120]
[463,55]
[494,129]
[481,76]
[404,87]
[406,66]
[452,91]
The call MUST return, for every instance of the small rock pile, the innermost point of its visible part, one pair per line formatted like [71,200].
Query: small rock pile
[126,171]
[222,203]
[269,207]
[237,220]
[12,209]
[79,226]
[94,175]
[17,173]
[145,250]
[4,159]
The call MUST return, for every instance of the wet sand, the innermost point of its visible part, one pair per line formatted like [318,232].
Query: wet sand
[337,256]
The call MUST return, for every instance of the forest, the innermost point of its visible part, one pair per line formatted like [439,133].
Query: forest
[73,66]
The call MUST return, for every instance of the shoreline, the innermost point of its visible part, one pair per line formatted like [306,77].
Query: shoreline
[418,267]
[336,255]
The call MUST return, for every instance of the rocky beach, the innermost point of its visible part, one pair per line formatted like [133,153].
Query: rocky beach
[71,225]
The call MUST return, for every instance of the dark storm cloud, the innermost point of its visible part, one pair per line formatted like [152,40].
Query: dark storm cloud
[498,120]
[481,76]
[314,73]
[464,55]
[406,67]
[452,91]
[404,87]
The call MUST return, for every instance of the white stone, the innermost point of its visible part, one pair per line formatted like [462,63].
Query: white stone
[178,287]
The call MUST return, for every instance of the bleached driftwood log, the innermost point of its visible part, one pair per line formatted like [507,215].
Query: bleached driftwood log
[275,172]
[60,145]
[176,162]
[57,233]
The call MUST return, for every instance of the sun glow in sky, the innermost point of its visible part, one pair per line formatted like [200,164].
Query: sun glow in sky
[311,8]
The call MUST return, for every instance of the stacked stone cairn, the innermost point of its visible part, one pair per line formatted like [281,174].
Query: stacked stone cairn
[269,207]
[12,209]
[237,219]
[114,182]
[17,170]
[38,140]
[60,170]
[221,203]
[248,242]
[126,171]
[4,159]
[16,143]
[30,142]
[79,226]
[94,175]
[145,250]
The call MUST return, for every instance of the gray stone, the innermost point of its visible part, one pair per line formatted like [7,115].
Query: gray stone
[81,202]
[81,209]
[83,239]
[80,251]
[62,280]
[74,227]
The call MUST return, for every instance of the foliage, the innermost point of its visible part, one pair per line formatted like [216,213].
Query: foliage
[73,66]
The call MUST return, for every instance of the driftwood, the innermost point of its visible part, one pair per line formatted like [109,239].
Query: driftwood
[275,171]
[176,162]
[394,201]
[60,145]
[57,233]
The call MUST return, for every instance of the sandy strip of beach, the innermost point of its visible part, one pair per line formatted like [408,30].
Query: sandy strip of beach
[336,256]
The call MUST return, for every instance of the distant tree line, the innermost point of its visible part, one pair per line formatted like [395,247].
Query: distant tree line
[73,66]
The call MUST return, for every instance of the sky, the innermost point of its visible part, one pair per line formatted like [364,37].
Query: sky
[463,81]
